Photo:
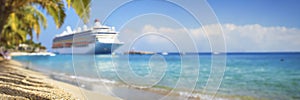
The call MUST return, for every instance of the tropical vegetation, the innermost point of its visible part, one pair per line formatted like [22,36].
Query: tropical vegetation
[22,18]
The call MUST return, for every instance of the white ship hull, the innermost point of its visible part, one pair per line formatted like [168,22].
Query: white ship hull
[98,48]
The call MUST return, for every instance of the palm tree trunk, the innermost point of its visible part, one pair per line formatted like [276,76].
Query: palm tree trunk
[2,16]
[5,10]
[3,21]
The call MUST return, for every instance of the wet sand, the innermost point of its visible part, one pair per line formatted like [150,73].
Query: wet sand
[17,82]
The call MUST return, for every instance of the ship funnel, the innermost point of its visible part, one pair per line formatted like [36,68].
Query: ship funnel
[69,30]
[97,23]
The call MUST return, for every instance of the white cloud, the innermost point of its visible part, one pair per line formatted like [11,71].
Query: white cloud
[238,38]
[259,38]
[149,28]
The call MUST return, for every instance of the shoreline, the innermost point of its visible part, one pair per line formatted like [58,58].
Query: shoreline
[117,89]
[32,54]
[17,82]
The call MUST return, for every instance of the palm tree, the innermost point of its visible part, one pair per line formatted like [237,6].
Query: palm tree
[54,8]
[81,7]
[20,18]
[22,23]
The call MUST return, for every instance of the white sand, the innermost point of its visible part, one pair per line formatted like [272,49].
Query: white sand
[16,82]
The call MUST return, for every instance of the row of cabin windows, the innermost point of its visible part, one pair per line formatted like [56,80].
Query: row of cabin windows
[64,45]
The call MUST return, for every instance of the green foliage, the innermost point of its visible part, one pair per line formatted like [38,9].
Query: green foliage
[81,7]
[21,18]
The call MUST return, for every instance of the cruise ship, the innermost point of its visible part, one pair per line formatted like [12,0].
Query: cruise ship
[99,39]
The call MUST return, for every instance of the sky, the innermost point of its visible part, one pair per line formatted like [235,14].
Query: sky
[194,26]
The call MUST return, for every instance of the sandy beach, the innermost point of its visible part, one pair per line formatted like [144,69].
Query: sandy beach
[17,82]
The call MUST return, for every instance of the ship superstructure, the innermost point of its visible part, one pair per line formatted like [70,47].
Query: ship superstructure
[99,39]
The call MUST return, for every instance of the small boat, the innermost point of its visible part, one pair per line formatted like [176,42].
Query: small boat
[164,53]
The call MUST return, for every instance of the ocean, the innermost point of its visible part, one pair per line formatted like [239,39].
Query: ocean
[246,76]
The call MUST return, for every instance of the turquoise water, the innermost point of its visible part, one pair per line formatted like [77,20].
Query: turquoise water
[258,75]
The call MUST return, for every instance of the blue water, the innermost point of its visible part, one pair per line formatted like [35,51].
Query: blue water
[259,75]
